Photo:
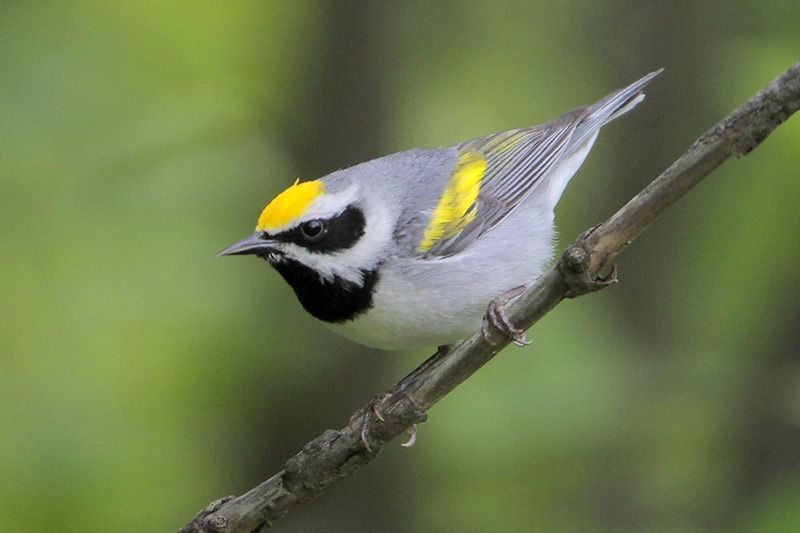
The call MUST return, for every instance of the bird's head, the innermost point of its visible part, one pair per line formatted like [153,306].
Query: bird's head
[308,226]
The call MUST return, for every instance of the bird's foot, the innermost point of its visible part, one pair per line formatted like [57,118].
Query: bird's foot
[496,316]
[373,409]
[412,437]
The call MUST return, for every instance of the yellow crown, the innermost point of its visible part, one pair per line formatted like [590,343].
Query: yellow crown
[289,205]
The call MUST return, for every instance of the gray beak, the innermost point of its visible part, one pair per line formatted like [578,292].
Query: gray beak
[250,245]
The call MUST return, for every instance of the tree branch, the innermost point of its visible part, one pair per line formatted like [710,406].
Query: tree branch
[337,454]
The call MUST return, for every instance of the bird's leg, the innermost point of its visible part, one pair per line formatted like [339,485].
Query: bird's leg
[377,403]
[497,317]
[441,351]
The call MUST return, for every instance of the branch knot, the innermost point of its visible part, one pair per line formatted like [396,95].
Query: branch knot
[574,269]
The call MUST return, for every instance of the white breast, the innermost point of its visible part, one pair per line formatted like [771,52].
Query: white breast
[426,303]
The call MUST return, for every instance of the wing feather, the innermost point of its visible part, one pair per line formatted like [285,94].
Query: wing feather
[516,162]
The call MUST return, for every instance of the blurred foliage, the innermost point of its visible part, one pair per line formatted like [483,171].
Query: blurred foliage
[143,377]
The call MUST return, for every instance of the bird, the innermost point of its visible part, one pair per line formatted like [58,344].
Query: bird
[411,249]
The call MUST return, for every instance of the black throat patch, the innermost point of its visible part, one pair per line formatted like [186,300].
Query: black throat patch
[335,301]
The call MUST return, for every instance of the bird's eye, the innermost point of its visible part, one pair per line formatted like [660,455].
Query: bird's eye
[313,229]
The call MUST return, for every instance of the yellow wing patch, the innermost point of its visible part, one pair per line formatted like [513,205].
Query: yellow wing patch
[457,207]
[289,205]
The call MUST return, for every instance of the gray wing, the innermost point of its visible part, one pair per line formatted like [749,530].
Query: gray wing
[518,160]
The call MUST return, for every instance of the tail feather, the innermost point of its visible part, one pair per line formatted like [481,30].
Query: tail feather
[612,106]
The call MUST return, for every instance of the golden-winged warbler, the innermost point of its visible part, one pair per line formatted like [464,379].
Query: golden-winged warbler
[410,249]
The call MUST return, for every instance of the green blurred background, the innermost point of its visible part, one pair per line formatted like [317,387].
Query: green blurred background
[143,377]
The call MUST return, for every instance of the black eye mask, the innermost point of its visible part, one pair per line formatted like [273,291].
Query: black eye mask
[327,235]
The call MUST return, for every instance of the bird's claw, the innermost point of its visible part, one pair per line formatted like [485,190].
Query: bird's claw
[374,409]
[412,437]
[365,435]
[496,316]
